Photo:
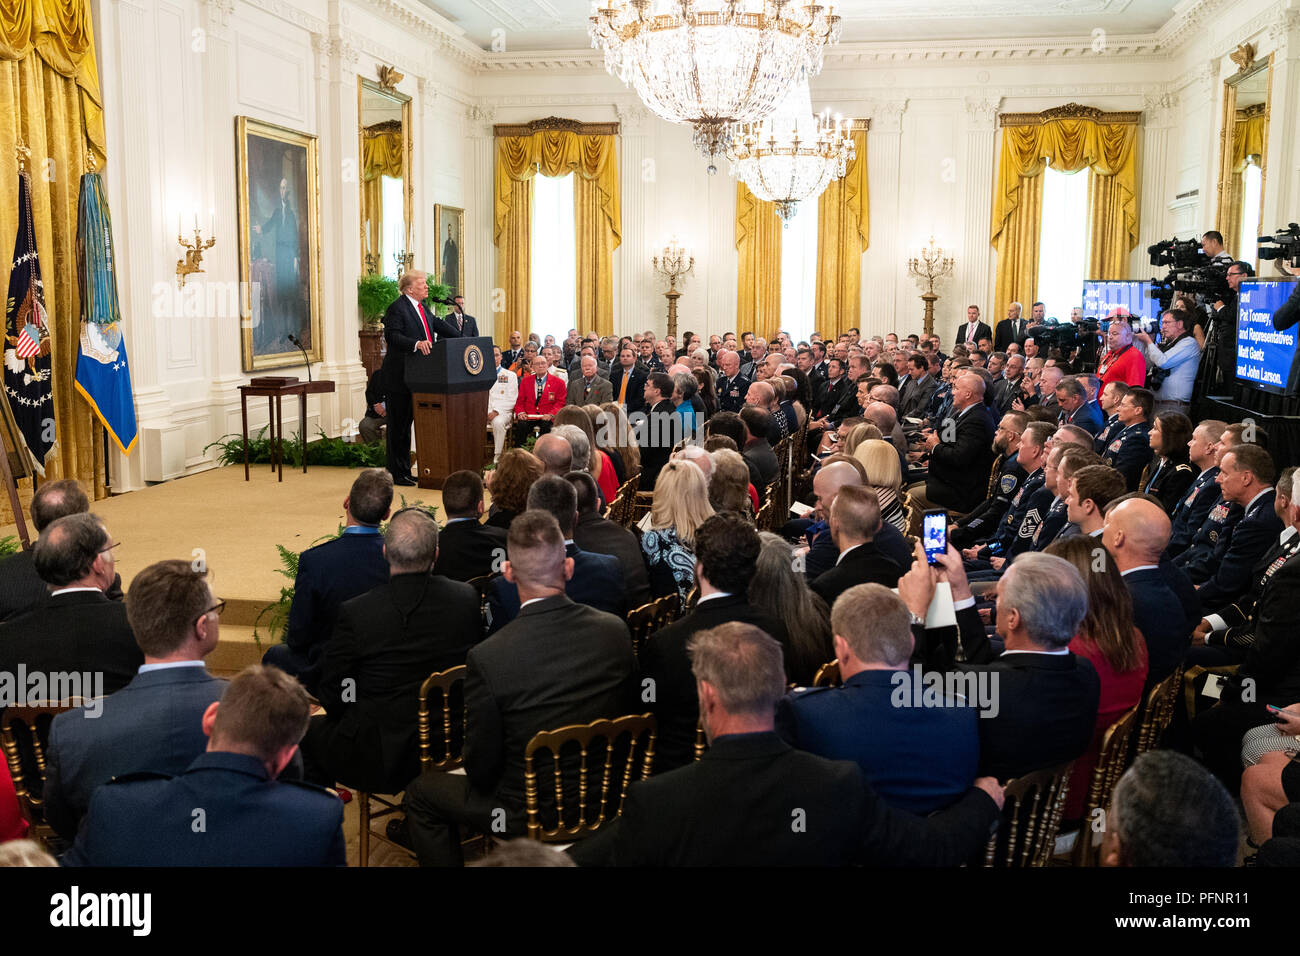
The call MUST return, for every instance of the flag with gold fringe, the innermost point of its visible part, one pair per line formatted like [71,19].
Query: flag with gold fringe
[103,375]
[28,386]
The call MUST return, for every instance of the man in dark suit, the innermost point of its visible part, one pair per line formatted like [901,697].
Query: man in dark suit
[1072,398]
[597,579]
[974,330]
[558,663]
[21,588]
[1041,700]
[920,759]
[408,328]
[918,389]
[627,382]
[1013,328]
[1246,476]
[751,800]
[961,450]
[597,535]
[467,548]
[516,351]
[386,642]
[465,325]
[77,630]
[228,808]
[657,442]
[757,450]
[854,523]
[587,387]
[731,385]
[726,552]
[979,524]
[334,572]
[156,721]
[832,390]
[376,415]
[1135,533]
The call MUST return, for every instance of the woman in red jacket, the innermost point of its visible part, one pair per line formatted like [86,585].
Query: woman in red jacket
[1109,639]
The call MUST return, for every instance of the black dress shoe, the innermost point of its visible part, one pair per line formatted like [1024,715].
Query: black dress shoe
[403,480]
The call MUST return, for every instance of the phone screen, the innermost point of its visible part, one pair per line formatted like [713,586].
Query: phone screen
[934,534]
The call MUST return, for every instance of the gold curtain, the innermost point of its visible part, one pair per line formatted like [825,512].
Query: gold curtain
[842,237]
[1108,150]
[381,155]
[49,101]
[1248,138]
[593,159]
[758,280]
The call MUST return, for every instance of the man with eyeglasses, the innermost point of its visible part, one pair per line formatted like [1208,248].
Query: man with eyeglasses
[1221,350]
[156,721]
[1178,355]
[78,630]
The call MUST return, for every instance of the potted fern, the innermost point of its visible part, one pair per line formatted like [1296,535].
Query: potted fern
[375,293]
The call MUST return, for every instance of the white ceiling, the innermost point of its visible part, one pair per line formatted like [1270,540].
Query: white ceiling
[524,25]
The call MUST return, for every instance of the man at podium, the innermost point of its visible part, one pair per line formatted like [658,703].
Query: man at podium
[408,328]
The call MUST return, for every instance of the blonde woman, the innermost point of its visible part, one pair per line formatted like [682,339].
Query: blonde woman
[681,505]
[859,433]
[880,459]
[614,421]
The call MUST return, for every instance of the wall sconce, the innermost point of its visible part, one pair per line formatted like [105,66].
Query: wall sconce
[193,261]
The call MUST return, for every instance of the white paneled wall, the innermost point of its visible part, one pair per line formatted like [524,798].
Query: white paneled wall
[175,74]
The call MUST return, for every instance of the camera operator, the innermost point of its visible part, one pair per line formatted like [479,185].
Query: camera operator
[1122,362]
[1173,363]
[1222,336]
[1212,246]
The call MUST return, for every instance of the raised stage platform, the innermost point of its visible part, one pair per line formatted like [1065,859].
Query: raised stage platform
[234,526]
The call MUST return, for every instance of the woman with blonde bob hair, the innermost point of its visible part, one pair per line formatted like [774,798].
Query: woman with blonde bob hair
[880,459]
[681,505]
[859,433]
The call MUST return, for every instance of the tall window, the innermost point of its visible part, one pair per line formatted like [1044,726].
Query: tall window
[553,280]
[1252,182]
[1063,242]
[799,272]
[393,199]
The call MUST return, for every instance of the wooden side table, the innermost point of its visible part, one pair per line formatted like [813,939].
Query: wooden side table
[275,389]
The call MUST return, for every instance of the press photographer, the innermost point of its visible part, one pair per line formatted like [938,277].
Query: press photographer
[1171,364]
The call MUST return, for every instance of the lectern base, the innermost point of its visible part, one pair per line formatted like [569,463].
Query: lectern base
[448,435]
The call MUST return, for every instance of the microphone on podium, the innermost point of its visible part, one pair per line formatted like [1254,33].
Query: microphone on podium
[307,361]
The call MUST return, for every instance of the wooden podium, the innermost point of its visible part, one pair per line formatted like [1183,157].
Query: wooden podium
[449,390]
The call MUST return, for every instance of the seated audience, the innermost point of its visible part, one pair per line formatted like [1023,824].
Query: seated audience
[726,553]
[598,464]
[1193,508]
[555,451]
[1129,448]
[661,429]
[779,589]
[675,516]
[757,448]
[885,478]
[334,572]
[227,808]
[854,523]
[1168,811]
[729,485]
[1169,474]
[21,588]
[615,438]
[960,461]
[596,535]
[508,483]
[919,759]
[77,629]
[734,806]
[466,548]
[558,663]
[1112,643]
[386,642]
[597,579]
[1046,696]
[154,722]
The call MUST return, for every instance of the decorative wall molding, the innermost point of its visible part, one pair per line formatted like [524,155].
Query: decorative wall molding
[555,123]
[423,24]
[983,112]
[290,13]
[1068,111]
[480,120]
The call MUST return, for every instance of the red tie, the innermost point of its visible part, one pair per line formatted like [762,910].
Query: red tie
[426,323]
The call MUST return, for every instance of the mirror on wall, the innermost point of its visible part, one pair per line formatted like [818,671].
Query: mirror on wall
[1243,154]
[385,152]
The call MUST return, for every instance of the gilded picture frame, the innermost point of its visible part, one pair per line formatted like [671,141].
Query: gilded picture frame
[278,186]
[451,248]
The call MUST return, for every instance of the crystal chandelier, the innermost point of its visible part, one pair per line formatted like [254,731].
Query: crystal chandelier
[792,155]
[712,63]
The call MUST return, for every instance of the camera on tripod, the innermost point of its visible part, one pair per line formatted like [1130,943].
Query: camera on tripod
[1283,244]
[1191,272]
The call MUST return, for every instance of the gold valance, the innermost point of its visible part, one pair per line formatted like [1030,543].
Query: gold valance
[382,153]
[60,32]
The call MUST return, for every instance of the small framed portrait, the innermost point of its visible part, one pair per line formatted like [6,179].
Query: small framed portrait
[450,225]
[279,244]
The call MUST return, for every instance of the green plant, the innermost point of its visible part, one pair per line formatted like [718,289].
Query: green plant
[8,545]
[438,291]
[375,293]
[323,451]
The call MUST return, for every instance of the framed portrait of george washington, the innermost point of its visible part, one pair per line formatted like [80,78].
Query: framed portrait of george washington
[279,244]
